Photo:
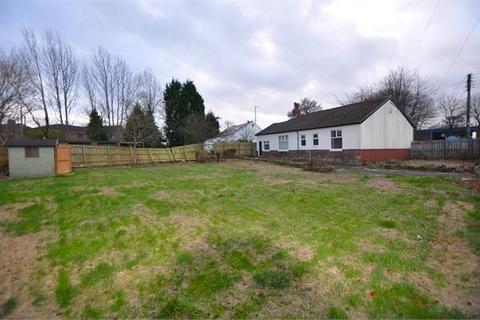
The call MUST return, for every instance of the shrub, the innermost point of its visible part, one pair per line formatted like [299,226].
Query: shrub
[204,156]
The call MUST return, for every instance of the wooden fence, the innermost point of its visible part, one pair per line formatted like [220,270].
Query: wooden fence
[242,149]
[3,158]
[446,150]
[98,156]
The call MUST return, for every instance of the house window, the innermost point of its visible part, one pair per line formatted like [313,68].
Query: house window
[315,139]
[31,152]
[266,145]
[337,141]
[283,142]
[303,140]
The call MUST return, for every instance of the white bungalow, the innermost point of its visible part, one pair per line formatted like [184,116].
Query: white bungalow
[366,131]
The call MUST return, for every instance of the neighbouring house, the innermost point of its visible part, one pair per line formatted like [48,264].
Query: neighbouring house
[76,134]
[115,133]
[62,132]
[11,129]
[242,132]
[31,157]
[366,131]
[443,133]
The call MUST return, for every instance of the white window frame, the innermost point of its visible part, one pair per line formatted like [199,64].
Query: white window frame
[313,139]
[285,140]
[266,145]
[336,134]
[303,140]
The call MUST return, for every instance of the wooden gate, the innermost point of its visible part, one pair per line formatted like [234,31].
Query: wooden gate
[63,159]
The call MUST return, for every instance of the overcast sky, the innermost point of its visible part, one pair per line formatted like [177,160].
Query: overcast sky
[265,53]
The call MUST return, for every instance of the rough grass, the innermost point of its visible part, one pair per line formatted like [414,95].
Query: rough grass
[240,240]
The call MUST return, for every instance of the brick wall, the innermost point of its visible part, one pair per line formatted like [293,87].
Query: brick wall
[344,155]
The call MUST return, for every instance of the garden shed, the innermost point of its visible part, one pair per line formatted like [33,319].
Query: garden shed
[31,157]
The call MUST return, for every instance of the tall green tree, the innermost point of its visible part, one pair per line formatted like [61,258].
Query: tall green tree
[152,134]
[182,102]
[141,129]
[175,112]
[95,129]
[214,125]
[192,99]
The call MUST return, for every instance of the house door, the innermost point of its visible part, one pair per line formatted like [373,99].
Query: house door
[259,148]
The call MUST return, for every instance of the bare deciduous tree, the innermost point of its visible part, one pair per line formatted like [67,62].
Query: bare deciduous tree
[227,124]
[110,86]
[33,65]
[450,108]
[150,93]
[306,106]
[476,109]
[408,90]
[12,86]
[61,69]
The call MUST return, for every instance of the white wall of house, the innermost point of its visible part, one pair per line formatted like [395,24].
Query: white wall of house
[387,128]
[350,139]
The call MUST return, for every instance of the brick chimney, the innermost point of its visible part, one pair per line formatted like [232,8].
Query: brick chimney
[296,110]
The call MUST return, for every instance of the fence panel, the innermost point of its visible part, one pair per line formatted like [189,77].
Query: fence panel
[446,150]
[3,159]
[63,158]
[242,149]
[98,156]
[3,156]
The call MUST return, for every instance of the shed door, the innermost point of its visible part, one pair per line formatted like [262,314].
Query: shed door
[63,159]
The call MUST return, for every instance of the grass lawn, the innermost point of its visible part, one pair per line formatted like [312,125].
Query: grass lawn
[238,240]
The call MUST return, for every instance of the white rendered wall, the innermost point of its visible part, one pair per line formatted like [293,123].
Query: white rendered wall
[387,128]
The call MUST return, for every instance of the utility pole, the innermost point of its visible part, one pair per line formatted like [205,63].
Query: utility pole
[469,87]
[255,108]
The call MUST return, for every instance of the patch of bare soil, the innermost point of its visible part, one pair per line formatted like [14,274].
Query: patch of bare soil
[109,191]
[302,252]
[189,231]
[276,171]
[305,299]
[453,256]
[8,212]
[19,258]
[199,245]
[176,196]
[383,184]
[452,217]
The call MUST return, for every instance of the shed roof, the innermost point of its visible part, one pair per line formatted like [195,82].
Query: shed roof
[17,142]
[344,115]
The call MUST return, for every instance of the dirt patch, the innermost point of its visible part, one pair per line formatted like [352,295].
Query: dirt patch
[8,212]
[109,191]
[383,184]
[177,196]
[336,273]
[452,217]
[50,204]
[189,227]
[279,173]
[453,256]
[19,258]
[199,245]
[295,248]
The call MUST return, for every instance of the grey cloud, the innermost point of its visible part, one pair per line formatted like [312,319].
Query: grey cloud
[267,53]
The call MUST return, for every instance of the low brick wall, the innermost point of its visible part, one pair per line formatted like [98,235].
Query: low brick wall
[354,155]
[384,154]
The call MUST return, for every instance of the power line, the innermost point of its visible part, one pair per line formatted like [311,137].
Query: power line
[423,33]
[459,51]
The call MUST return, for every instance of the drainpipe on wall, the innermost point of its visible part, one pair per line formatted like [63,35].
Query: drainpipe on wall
[298,146]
